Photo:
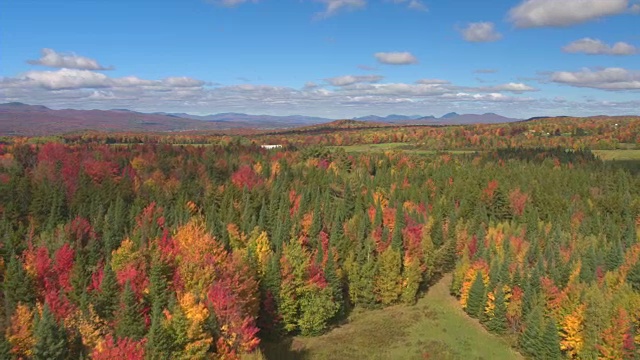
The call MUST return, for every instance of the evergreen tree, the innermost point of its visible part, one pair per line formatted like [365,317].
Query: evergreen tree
[51,338]
[130,322]
[633,277]
[5,348]
[335,284]
[159,340]
[396,236]
[475,303]
[531,340]
[158,285]
[615,256]
[551,341]
[106,301]
[498,322]
[18,287]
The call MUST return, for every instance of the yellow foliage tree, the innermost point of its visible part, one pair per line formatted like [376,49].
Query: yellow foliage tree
[196,340]
[20,332]
[572,332]
[198,256]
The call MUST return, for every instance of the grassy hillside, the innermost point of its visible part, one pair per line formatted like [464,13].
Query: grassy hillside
[435,328]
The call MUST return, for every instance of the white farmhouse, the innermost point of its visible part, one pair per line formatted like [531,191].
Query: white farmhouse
[269,147]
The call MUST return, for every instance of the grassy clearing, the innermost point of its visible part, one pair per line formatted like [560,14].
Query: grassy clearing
[608,155]
[405,147]
[435,328]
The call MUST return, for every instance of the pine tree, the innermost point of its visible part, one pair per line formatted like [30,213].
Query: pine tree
[51,338]
[158,285]
[330,273]
[159,344]
[130,321]
[531,339]
[106,301]
[551,341]
[615,256]
[17,287]
[475,304]
[498,322]
[5,348]
[396,236]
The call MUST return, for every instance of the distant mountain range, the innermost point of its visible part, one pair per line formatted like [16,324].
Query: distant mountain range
[33,120]
[451,118]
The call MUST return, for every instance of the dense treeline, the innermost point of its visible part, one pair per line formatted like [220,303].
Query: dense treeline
[157,251]
[571,133]
[621,132]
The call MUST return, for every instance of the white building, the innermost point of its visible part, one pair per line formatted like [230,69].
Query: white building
[269,147]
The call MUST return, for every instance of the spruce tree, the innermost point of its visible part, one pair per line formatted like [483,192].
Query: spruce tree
[130,321]
[159,340]
[336,285]
[551,341]
[475,303]
[5,348]
[106,301]
[51,338]
[17,287]
[498,322]
[531,338]
[396,236]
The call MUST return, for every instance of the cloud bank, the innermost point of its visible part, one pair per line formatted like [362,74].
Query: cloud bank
[591,46]
[396,58]
[481,32]
[560,13]
[51,58]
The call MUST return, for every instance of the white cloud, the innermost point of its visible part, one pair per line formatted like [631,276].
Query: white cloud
[65,79]
[182,81]
[231,3]
[540,13]
[481,32]
[614,79]
[492,97]
[413,4]
[396,58]
[434,82]
[597,47]
[334,6]
[635,9]
[353,79]
[351,95]
[512,87]
[310,85]
[54,59]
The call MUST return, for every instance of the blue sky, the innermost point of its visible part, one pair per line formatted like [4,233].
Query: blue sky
[332,58]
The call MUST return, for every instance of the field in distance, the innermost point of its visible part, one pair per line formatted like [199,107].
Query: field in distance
[606,155]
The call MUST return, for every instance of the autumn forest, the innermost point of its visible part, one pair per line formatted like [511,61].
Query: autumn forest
[199,245]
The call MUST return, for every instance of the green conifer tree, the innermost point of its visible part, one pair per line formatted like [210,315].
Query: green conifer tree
[51,338]
[531,338]
[106,301]
[130,322]
[475,303]
[551,341]
[498,322]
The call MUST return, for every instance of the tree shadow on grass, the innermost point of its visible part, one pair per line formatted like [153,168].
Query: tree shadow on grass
[283,350]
